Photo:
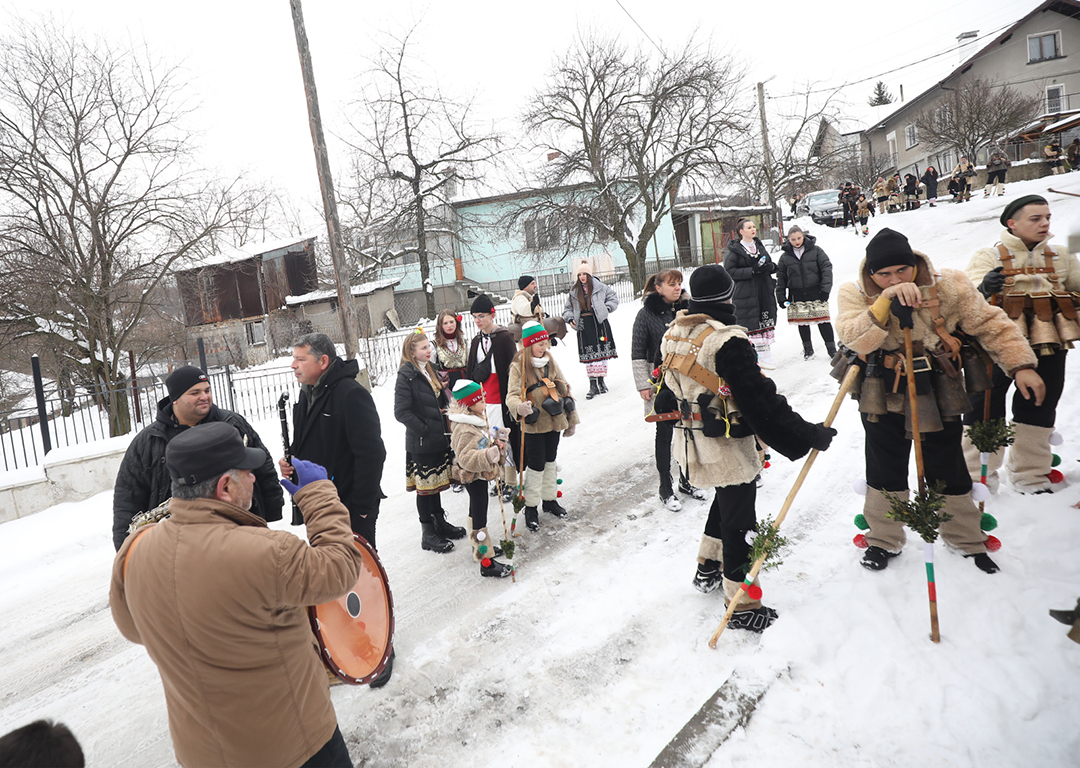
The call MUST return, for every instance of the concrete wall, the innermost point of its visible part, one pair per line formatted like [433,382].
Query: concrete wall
[67,475]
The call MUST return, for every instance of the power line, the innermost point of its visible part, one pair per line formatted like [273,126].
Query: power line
[619,3]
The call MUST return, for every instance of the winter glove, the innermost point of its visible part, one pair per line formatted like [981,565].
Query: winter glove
[822,437]
[306,472]
[524,408]
[665,401]
[903,313]
[492,454]
[993,283]
[824,296]
[569,431]
[781,299]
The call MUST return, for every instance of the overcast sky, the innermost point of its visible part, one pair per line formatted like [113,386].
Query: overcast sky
[241,54]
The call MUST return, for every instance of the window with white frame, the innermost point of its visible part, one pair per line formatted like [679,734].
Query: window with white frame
[256,332]
[911,135]
[542,232]
[1055,97]
[1044,46]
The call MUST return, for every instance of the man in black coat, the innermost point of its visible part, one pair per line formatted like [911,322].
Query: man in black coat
[335,425]
[143,482]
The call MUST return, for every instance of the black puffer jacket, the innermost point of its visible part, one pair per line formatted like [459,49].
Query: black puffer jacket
[143,481]
[805,279]
[420,410]
[755,299]
[650,325]
[336,425]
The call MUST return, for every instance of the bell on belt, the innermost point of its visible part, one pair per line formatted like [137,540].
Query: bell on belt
[952,399]
[976,369]
[929,415]
[1043,336]
[872,397]
[1068,330]
[1022,324]
[840,364]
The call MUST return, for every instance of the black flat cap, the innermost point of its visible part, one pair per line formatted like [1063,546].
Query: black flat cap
[1017,204]
[208,450]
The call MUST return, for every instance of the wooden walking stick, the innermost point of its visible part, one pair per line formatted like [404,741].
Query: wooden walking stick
[845,385]
[507,543]
[520,491]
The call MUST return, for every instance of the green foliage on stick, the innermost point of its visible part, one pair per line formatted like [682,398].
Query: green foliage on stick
[507,546]
[767,545]
[988,436]
[923,514]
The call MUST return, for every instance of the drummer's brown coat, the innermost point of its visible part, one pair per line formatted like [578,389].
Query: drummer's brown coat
[219,602]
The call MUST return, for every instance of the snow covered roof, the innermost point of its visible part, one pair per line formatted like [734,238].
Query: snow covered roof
[1064,121]
[230,255]
[364,289]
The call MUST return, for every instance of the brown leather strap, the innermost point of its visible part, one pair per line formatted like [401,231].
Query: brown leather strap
[688,365]
[948,341]
[673,416]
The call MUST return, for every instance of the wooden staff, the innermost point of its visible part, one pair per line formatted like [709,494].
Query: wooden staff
[913,404]
[506,536]
[521,453]
[845,385]
[984,458]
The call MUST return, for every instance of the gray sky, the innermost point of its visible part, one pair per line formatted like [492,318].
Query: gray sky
[242,54]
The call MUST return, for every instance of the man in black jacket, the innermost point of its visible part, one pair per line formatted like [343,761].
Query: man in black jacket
[335,425]
[143,482]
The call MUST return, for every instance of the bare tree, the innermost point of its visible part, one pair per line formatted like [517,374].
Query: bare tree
[97,198]
[625,131]
[413,148]
[863,169]
[974,114]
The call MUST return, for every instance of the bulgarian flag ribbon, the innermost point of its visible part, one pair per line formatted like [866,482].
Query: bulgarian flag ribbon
[984,459]
[931,588]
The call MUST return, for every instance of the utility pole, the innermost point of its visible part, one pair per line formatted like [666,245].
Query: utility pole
[326,185]
[767,154]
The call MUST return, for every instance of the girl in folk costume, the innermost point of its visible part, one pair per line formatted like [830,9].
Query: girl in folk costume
[750,267]
[929,178]
[716,444]
[418,404]
[450,349]
[540,397]
[479,454]
[587,308]
[803,283]
[662,297]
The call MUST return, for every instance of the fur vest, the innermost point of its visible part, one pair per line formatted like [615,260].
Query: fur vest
[551,371]
[1066,265]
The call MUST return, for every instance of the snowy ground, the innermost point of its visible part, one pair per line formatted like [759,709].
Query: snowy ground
[597,656]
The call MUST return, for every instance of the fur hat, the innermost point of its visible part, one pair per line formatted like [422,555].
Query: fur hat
[524,281]
[887,249]
[1017,204]
[482,305]
[183,379]
[532,333]
[710,285]
[468,392]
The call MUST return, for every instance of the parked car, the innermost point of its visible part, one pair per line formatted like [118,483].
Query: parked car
[822,207]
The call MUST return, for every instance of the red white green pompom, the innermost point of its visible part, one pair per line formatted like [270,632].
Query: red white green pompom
[486,562]
[558,494]
[992,543]
[860,541]
[753,592]
[1055,477]
[480,535]
[860,522]
[988,522]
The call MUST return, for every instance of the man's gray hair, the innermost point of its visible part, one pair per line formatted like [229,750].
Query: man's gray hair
[319,343]
[203,490]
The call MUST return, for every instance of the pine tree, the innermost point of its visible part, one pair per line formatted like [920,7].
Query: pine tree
[881,95]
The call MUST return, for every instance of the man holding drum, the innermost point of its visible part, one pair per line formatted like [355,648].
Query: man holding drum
[219,600]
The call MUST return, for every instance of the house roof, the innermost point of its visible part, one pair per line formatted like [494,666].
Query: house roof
[506,197]
[1069,8]
[364,289]
[232,255]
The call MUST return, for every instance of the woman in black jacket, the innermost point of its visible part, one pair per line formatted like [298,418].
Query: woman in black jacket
[662,297]
[750,267]
[929,178]
[419,401]
[803,284]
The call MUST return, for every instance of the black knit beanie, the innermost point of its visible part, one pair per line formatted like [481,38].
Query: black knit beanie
[710,285]
[482,305]
[524,280]
[887,249]
[183,379]
[1017,204]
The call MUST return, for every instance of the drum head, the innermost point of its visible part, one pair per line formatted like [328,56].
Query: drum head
[356,631]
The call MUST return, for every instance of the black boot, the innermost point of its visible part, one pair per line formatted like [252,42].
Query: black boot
[445,529]
[496,569]
[876,558]
[384,676]
[807,351]
[532,519]
[553,507]
[1067,617]
[594,389]
[600,383]
[688,490]
[830,347]
[986,565]
[708,576]
[432,541]
[756,620]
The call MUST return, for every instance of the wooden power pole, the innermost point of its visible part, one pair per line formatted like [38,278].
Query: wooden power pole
[768,156]
[326,185]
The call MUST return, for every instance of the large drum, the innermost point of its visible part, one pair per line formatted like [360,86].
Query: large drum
[356,631]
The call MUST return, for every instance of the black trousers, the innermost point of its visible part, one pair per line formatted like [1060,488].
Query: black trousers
[428,506]
[478,502]
[540,448]
[888,451]
[1052,370]
[515,442]
[826,333]
[992,177]
[365,526]
[334,754]
[731,515]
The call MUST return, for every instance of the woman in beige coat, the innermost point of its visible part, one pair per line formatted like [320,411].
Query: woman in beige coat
[539,396]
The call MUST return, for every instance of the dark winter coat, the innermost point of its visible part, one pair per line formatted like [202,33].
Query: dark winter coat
[650,325]
[911,184]
[755,298]
[143,481]
[503,349]
[929,178]
[999,161]
[421,411]
[335,424]
[805,279]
